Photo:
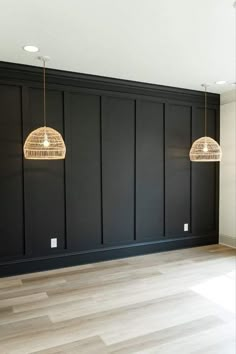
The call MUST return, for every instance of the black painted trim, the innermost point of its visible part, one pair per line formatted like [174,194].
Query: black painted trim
[28,76]
[165,108]
[190,230]
[25,115]
[101,174]
[217,167]
[135,164]
[72,259]
[65,113]
[23,109]
[19,73]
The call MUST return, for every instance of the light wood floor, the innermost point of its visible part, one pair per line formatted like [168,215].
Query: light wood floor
[167,303]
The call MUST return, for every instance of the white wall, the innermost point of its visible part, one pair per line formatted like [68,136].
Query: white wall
[228,169]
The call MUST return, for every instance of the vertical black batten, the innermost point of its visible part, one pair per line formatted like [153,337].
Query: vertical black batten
[135,146]
[65,108]
[68,169]
[193,108]
[217,172]
[164,169]
[24,100]
[25,132]
[102,238]
[191,141]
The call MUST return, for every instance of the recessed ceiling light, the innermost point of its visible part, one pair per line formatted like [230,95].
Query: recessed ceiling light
[31,48]
[221,82]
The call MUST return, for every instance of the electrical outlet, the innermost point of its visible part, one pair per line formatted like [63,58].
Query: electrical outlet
[53,242]
[185,227]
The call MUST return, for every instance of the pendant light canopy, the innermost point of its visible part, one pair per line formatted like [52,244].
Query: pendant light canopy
[205,149]
[44,143]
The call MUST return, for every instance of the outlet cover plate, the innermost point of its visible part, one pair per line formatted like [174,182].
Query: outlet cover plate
[185,227]
[53,242]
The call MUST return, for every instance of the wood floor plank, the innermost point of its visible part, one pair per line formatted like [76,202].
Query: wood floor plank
[212,338]
[156,303]
[10,282]
[92,345]
[165,335]
[29,289]
[25,299]
[25,327]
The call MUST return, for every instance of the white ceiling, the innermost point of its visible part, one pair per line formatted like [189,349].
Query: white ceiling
[177,43]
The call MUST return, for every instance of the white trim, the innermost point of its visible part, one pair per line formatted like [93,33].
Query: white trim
[227,241]
[228,97]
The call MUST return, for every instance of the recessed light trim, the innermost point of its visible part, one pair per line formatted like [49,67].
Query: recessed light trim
[221,82]
[31,48]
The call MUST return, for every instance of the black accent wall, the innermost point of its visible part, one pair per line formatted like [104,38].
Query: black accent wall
[127,186]
[149,158]
[177,171]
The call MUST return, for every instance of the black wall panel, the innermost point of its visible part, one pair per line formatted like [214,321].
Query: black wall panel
[84,172]
[149,171]
[127,185]
[118,118]
[11,180]
[44,180]
[204,178]
[177,169]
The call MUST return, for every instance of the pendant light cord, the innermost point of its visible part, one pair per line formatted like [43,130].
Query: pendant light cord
[205,110]
[44,93]
[234,5]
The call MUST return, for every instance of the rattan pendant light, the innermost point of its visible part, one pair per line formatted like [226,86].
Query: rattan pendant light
[44,143]
[205,149]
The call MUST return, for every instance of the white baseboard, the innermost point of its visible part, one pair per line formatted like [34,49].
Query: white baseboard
[227,241]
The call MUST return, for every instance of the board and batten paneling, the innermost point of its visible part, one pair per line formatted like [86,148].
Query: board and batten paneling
[126,187]
[11,178]
[83,166]
[44,180]
[177,169]
[204,178]
[118,122]
[149,170]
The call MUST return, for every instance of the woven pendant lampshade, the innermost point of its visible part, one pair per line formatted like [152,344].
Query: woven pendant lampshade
[205,149]
[44,143]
